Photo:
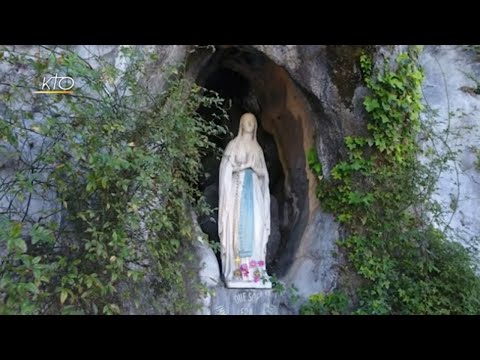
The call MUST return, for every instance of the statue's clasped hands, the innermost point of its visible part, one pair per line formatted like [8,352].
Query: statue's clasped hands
[249,163]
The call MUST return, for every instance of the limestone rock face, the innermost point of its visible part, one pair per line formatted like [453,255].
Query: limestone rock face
[451,88]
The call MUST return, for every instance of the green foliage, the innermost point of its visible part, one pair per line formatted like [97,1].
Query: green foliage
[123,162]
[381,194]
[314,163]
[289,291]
[335,303]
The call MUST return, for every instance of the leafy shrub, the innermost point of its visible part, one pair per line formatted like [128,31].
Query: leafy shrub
[122,163]
[335,303]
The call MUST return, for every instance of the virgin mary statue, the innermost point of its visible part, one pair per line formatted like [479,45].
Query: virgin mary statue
[244,209]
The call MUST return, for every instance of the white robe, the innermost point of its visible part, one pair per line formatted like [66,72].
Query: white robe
[230,191]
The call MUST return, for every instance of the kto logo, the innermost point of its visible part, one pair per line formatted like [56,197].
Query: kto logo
[57,85]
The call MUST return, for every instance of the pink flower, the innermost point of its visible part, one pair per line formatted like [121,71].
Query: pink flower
[261,263]
[253,263]
[244,267]
[256,278]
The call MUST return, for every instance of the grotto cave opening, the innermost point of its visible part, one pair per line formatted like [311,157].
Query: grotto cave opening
[251,82]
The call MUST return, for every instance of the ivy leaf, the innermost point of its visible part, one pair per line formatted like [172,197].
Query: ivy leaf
[397,83]
[371,104]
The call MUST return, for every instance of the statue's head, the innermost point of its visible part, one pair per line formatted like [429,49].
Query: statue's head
[248,125]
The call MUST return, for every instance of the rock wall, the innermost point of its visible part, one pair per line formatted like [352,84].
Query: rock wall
[452,80]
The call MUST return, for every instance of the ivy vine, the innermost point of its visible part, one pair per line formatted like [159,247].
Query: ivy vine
[381,194]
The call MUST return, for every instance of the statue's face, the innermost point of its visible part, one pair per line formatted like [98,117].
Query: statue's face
[248,125]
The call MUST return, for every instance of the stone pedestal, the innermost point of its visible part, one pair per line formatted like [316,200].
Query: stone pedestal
[244,302]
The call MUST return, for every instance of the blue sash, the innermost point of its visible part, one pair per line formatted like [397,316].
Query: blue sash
[246,215]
